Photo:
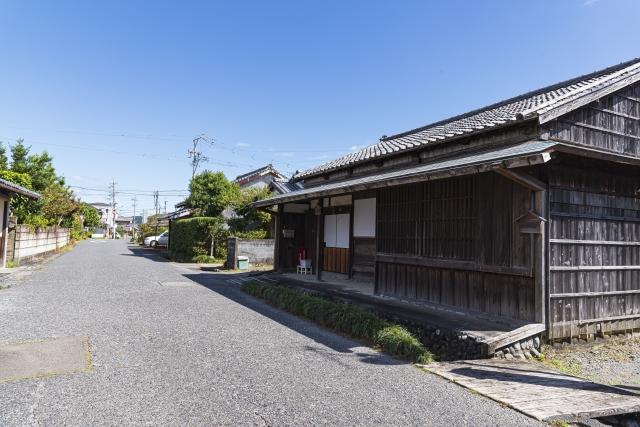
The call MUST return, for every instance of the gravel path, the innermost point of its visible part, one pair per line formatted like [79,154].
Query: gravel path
[202,352]
[615,361]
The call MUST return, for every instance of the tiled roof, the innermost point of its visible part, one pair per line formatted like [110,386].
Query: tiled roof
[256,173]
[497,157]
[524,106]
[15,188]
[284,186]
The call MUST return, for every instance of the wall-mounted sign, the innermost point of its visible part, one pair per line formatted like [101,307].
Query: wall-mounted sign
[288,233]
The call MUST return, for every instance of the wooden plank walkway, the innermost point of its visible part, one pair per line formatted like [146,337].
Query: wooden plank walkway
[536,391]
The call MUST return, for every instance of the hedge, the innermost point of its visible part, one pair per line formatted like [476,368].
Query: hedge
[191,237]
[344,318]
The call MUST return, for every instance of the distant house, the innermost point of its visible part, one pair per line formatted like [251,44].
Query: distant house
[126,222]
[105,211]
[262,177]
[7,191]
[527,209]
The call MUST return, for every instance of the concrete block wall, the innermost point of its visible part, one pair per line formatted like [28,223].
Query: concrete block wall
[259,251]
[29,243]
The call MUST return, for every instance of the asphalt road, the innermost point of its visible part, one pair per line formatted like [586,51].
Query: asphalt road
[171,351]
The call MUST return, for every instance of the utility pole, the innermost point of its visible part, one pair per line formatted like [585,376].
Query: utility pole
[197,156]
[165,206]
[133,225]
[156,204]
[113,209]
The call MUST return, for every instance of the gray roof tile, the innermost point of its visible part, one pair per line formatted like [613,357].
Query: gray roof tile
[528,105]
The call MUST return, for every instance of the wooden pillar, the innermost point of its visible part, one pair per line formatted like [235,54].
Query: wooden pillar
[350,260]
[540,206]
[277,237]
[5,231]
[319,239]
[540,259]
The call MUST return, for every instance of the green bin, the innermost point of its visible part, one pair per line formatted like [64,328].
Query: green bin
[243,263]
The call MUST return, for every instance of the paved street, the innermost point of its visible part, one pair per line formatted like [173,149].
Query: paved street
[169,350]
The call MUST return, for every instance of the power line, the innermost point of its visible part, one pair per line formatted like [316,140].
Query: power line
[195,155]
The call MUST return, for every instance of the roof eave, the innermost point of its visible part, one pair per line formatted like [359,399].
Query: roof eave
[516,161]
[488,129]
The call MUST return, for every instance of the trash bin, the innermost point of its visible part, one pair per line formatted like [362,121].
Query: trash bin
[243,263]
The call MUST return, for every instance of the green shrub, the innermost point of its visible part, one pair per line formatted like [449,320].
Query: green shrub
[191,237]
[204,259]
[344,318]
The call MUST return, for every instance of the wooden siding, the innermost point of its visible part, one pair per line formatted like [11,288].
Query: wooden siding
[456,242]
[610,124]
[364,255]
[594,256]
[336,260]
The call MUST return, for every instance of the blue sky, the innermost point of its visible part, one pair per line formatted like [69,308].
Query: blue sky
[117,90]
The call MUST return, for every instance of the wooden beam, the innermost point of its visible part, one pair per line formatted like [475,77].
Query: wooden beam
[594,268]
[593,242]
[601,129]
[364,184]
[451,264]
[277,238]
[597,320]
[319,239]
[540,254]
[595,294]
[527,181]
[597,217]
[570,147]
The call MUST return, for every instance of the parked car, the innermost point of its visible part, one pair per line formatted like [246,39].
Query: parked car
[155,241]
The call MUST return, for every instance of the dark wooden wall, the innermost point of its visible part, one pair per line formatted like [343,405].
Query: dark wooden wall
[594,253]
[288,247]
[336,260]
[610,124]
[456,242]
[364,257]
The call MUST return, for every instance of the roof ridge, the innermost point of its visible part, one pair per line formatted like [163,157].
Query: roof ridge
[619,67]
[524,106]
[561,98]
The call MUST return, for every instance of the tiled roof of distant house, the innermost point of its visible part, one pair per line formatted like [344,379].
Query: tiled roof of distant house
[250,176]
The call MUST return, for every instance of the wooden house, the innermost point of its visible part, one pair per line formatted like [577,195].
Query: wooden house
[526,209]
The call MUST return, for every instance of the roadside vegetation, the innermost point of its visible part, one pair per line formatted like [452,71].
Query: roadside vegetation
[58,206]
[346,319]
[220,210]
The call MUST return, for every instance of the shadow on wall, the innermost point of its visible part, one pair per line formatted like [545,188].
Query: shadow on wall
[217,283]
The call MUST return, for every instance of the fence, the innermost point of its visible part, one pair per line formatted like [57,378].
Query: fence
[259,251]
[25,243]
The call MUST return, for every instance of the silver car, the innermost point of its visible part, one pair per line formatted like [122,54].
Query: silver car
[155,241]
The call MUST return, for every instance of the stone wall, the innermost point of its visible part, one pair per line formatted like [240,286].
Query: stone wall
[28,243]
[259,251]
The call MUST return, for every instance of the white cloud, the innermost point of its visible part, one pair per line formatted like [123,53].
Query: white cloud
[242,144]
[590,2]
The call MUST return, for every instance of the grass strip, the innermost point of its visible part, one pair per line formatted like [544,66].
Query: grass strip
[344,318]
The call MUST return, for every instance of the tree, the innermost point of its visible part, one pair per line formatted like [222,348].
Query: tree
[21,206]
[211,193]
[4,162]
[43,174]
[59,204]
[90,215]
[249,219]
[19,156]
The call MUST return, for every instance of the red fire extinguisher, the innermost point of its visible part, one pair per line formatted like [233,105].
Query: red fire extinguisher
[302,254]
